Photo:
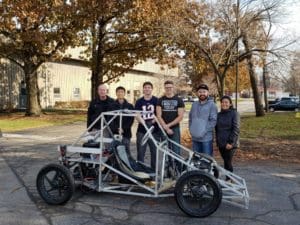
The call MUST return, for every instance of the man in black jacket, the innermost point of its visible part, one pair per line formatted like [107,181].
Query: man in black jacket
[97,106]
[121,104]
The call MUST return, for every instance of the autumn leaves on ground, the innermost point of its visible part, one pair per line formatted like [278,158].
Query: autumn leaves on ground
[275,137]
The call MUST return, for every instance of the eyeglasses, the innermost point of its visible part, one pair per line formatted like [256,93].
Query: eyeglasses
[168,87]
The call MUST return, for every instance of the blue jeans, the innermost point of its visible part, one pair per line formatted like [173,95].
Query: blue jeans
[175,137]
[203,147]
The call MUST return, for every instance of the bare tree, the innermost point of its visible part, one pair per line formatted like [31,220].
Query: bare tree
[293,79]
[256,19]
[208,35]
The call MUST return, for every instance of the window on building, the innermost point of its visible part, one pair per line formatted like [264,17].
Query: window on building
[76,92]
[56,92]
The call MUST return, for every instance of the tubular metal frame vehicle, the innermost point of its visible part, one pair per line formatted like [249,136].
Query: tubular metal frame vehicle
[102,164]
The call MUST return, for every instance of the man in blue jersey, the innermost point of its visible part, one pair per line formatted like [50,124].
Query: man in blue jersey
[147,104]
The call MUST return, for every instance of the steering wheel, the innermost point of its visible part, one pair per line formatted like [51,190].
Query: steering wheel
[147,135]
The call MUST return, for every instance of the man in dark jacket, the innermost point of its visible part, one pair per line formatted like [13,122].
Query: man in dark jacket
[120,104]
[97,106]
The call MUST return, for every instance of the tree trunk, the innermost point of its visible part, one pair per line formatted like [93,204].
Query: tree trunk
[265,86]
[94,82]
[257,99]
[97,58]
[222,86]
[220,81]
[33,107]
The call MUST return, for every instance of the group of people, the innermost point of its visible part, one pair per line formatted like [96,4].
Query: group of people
[169,110]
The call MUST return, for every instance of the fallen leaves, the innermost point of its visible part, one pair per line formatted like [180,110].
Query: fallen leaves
[271,149]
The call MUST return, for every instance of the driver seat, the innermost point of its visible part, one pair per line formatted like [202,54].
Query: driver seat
[135,169]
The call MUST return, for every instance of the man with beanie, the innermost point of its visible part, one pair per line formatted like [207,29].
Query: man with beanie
[202,121]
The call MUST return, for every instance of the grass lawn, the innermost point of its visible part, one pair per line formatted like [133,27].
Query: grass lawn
[283,125]
[274,137]
[17,121]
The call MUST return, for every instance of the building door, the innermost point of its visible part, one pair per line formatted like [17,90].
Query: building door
[23,96]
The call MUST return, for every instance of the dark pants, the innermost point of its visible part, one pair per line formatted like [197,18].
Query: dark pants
[176,138]
[227,156]
[126,142]
[141,149]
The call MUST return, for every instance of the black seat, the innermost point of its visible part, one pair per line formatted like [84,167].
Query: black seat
[89,144]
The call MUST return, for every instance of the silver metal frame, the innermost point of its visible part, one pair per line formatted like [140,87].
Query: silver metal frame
[234,192]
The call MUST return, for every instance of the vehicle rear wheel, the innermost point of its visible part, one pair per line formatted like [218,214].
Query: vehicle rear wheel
[297,110]
[198,194]
[55,184]
[272,109]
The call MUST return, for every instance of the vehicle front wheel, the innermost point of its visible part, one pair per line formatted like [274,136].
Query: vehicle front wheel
[55,184]
[198,193]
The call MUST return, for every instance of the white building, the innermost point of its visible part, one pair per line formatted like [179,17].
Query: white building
[70,80]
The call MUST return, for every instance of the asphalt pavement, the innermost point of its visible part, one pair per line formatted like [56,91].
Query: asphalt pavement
[274,190]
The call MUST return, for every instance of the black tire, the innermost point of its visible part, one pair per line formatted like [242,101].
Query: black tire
[55,184]
[272,109]
[200,189]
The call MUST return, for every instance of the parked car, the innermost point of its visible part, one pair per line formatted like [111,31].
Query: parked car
[190,98]
[294,99]
[185,99]
[284,105]
[195,99]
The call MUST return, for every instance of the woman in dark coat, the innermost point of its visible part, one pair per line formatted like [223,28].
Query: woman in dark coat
[227,131]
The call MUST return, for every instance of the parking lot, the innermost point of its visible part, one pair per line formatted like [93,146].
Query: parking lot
[273,188]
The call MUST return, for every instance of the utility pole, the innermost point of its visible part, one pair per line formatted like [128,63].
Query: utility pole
[237,53]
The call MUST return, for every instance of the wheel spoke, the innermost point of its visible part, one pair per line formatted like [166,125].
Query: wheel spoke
[49,181]
[55,176]
[59,191]
[52,189]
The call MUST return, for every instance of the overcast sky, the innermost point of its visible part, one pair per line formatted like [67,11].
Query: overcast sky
[289,24]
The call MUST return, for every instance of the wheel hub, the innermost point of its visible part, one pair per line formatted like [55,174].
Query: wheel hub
[199,191]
